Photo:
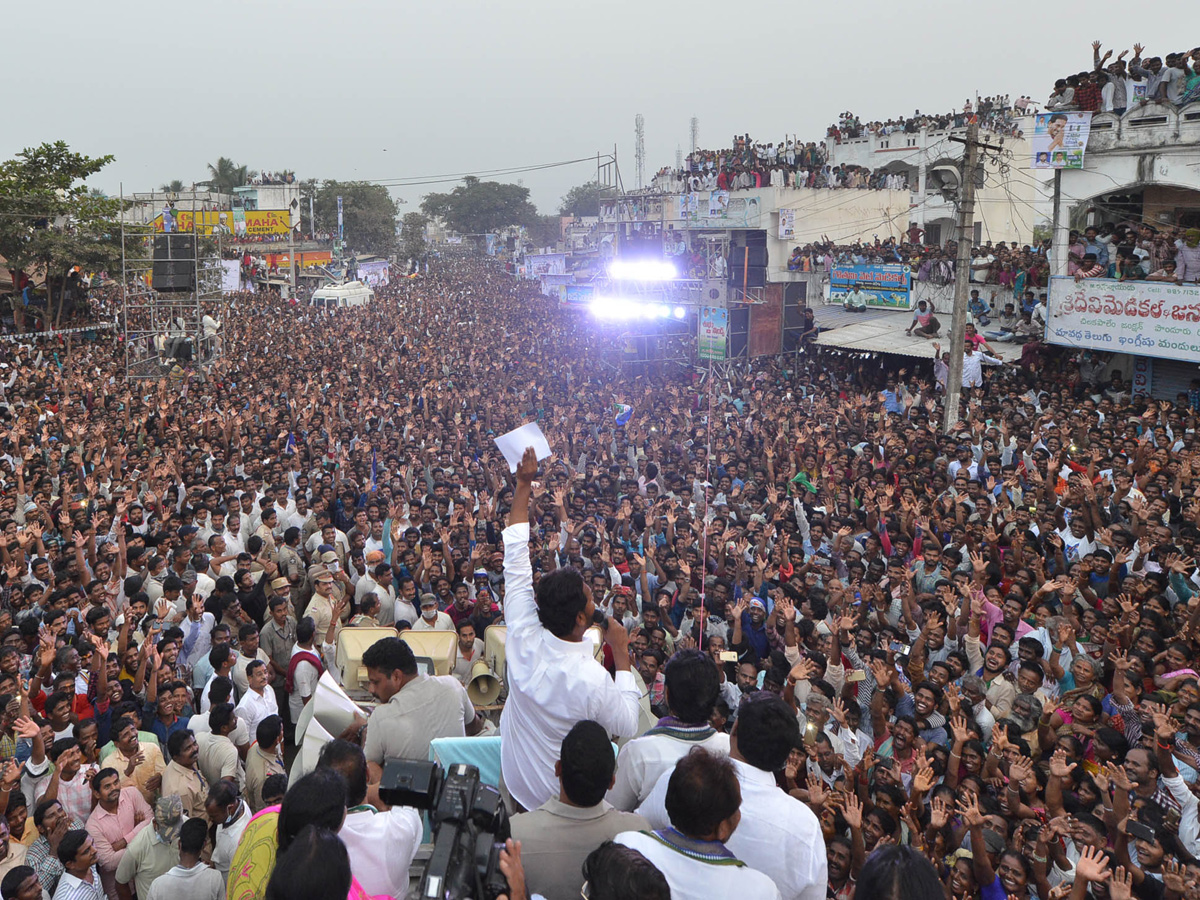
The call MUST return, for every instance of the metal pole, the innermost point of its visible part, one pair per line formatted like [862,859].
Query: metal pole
[962,278]
[1060,234]
[745,272]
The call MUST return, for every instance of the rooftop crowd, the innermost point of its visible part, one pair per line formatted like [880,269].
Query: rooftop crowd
[1125,251]
[875,657]
[751,163]
[996,114]
[1120,85]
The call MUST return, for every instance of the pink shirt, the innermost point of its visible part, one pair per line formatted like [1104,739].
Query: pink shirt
[106,828]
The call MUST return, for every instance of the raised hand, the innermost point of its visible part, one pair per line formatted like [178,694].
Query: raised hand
[971,814]
[816,791]
[1059,767]
[1093,865]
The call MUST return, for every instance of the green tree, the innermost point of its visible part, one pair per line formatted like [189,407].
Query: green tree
[481,207]
[50,220]
[412,235]
[544,231]
[174,186]
[368,214]
[226,175]
[581,200]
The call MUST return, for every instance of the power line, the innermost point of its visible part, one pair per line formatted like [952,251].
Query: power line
[455,176]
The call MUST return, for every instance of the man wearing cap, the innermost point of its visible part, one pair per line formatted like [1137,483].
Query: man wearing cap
[152,851]
[291,564]
[320,607]
[554,678]
[432,618]
[191,879]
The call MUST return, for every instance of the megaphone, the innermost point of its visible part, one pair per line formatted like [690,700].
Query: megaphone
[483,687]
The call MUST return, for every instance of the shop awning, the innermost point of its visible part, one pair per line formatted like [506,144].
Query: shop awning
[883,332]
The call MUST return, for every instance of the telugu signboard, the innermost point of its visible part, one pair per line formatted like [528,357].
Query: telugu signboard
[885,287]
[714,332]
[578,295]
[1144,318]
[1059,139]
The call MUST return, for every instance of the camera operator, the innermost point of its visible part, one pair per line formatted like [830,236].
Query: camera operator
[557,837]
[554,679]
[381,843]
[413,708]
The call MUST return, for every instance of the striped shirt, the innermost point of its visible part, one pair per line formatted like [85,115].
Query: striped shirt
[72,888]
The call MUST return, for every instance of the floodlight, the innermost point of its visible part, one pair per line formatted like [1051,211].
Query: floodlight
[642,270]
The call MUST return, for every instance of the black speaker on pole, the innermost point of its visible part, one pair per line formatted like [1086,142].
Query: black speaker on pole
[174,268]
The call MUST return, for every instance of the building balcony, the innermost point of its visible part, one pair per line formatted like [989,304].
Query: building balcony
[1151,126]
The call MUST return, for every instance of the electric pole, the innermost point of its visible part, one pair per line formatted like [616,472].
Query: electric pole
[962,273]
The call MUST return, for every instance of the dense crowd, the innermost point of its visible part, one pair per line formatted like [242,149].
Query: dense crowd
[996,114]
[840,648]
[1118,86]
[1125,251]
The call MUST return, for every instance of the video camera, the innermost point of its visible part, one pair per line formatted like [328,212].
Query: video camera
[469,823]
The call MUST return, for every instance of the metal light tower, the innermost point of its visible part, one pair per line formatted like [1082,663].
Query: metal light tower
[678,157]
[695,134]
[639,148]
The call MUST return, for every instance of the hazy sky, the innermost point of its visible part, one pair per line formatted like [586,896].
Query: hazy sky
[386,90]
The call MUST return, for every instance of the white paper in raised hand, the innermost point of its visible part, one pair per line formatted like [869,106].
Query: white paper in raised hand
[513,444]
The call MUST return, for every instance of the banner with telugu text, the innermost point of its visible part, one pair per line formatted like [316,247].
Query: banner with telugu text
[1144,318]
[885,287]
[714,333]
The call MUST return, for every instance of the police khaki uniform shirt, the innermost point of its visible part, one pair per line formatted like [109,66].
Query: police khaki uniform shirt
[428,707]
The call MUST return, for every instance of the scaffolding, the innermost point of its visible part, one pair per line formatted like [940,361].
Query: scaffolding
[172,333]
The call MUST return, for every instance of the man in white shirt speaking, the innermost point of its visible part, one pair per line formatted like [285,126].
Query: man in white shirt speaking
[553,677]
[777,833]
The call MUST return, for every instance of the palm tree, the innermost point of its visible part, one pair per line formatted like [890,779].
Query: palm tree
[226,175]
[174,186]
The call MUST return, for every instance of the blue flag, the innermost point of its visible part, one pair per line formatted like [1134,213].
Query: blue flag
[374,469]
[290,446]
[623,411]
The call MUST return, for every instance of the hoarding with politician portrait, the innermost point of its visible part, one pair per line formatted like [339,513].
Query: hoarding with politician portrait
[714,333]
[886,287]
[1059,139]
[252,222]
[1143,318]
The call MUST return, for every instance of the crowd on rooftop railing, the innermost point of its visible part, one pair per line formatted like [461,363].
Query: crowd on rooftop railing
[264,177]
[997,114]
[1124,251]
[1118,86]
[750,164]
